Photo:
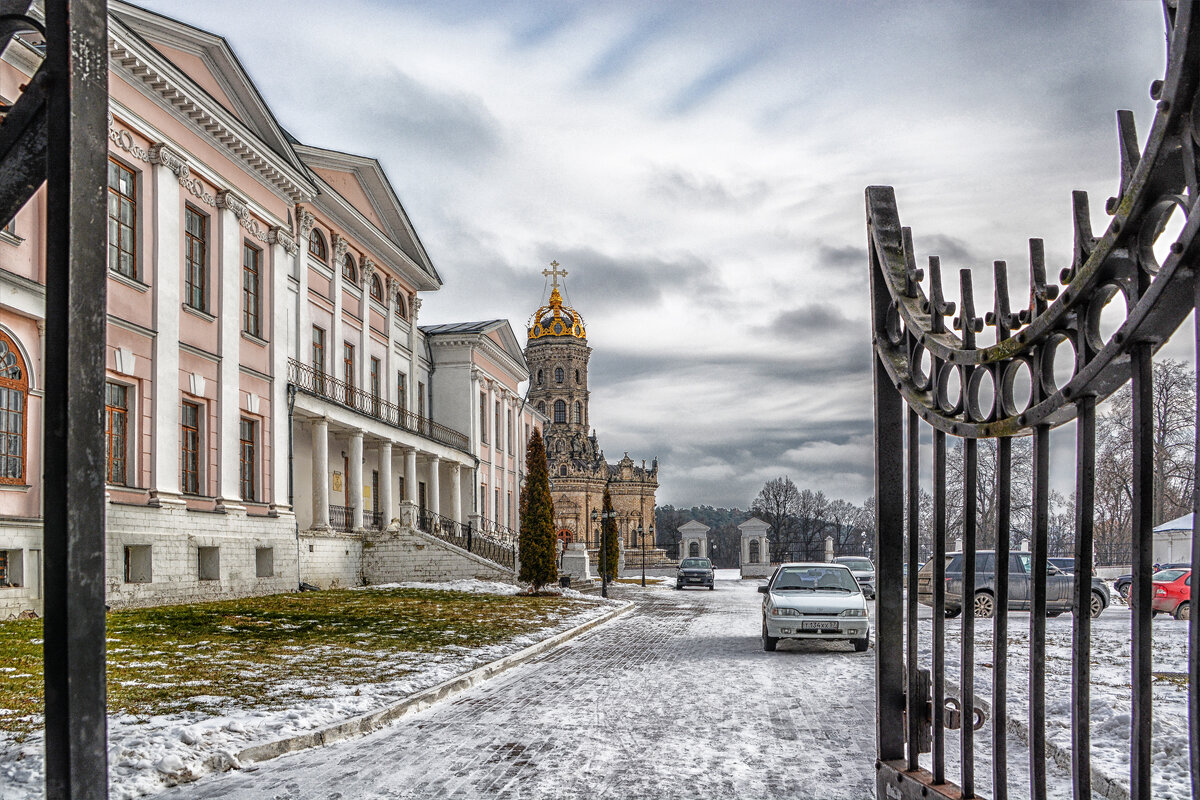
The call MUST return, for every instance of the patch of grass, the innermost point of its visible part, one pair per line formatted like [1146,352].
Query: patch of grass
[268,651]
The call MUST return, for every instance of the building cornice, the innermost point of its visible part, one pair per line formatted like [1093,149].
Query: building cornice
[171,88]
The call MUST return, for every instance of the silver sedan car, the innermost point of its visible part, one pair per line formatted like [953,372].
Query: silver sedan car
[814,601]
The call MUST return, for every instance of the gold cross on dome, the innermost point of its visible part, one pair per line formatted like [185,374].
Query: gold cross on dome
[555,272]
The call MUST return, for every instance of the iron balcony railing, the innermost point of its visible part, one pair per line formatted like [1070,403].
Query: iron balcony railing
[341,518]
[373,520]
[312,381]
[499,547]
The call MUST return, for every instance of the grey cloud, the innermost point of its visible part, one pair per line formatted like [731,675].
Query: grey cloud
[681,186]
[612,282]
[814,319]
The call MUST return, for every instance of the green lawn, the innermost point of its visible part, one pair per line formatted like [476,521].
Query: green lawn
[268,651]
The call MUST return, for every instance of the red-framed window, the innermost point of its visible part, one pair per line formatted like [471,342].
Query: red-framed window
[116,432]
[317,246]
[251,290]
[195,254]
[122,219]
[348,364]
[189,443]
[14,391]
[248,460]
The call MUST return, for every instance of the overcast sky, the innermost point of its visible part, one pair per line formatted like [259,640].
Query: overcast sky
[699,168]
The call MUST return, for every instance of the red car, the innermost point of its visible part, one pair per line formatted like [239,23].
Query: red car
[1172,591]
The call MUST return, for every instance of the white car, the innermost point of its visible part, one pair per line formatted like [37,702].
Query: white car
[814,601]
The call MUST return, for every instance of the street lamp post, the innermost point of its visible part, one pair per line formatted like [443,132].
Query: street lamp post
[642,540]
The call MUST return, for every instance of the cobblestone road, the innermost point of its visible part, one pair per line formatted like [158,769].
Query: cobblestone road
[675,699]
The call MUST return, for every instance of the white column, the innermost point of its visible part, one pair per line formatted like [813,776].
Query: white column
[276,293]
[410,475]
[320,474]
[412,354]
[336,343]
[229,319]
[488,418]
[354,482]
[364,335]
[302,341]
[435,491]
[389,367]
[456,492]
[168,253]
[385,482]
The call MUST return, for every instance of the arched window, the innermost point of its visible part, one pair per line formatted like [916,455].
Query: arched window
[376,288]
[754,551]
[542,407]
[401,306]
[558,374]
[694,550]
[539,377]
[562,471]
[349,271]
[560,411]
[578,413]
[14,389]
[317,247]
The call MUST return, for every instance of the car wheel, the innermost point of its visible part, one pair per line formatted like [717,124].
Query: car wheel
[712,586]
[860,645]
[1182,611]
[985,604]
[1124,592]
[768,642]
[951,613]
[1097,605]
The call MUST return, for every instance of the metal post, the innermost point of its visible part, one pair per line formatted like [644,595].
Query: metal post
[73,424]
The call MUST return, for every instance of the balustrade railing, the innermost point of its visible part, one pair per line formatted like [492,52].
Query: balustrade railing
[497,546]
[373,520]
[307,379]
[341,518]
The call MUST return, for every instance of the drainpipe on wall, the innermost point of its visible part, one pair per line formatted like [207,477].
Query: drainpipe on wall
[291,403]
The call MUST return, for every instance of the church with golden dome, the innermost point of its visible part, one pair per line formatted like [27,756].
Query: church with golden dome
[557,352]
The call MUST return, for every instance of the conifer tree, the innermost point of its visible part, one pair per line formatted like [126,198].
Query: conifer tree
[536,540]
[612,552]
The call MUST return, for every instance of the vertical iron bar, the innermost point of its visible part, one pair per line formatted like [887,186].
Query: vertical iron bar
[73,429]
[1037,613]
[938,654]
[1081,644]
[1000,620]
[1142,386]
[889,549]
[914,517]
[966,665]
[1193,627]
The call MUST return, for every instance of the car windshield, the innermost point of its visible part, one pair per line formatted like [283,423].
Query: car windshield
[815,579]
[861,564]
[1168,575]
[695,563]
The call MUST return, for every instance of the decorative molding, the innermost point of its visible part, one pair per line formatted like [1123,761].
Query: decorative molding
[307,221]
[124,361]
[415,307]
[197,384]
[282,237]
[161,153]
[124,140]
[228,200]
[340,246]
[252,403]
[366,271]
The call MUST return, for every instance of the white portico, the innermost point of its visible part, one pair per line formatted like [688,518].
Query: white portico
[756,548]
[693,541]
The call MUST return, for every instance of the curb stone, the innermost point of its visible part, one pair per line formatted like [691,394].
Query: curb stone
[366,723]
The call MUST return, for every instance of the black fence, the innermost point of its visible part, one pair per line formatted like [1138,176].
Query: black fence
[498,545]
[936,380]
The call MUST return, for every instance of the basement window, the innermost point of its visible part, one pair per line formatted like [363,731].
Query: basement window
[264,562]
[209,563]
[138,564]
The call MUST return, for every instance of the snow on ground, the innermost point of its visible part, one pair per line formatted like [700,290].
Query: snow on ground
[1110,691]
[146,754]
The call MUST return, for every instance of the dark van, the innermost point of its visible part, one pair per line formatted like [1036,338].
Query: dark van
[1059,585]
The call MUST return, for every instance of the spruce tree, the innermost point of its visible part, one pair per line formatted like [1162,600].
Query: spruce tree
[536,539]
[612,551]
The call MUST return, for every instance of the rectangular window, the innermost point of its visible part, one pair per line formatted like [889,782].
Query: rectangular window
[195,254]
[116,431]
[401,391]
[497,508]
[508,428]
[348,364]
[483,431]
[483,498]
[497,428]
[420,399]
[376,388]
[264,562]
[122,219]
[375,490]
[138,564]
[248,460]
[190,446]
[318,349]
[209,563]
[251,290]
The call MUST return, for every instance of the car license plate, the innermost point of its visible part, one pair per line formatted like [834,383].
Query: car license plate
[819,626]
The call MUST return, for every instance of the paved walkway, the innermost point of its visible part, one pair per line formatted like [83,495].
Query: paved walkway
[675,699]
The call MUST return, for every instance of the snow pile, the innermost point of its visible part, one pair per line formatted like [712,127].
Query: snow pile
[471,586]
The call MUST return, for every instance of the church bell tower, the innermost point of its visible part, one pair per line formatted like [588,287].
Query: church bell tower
[557,352]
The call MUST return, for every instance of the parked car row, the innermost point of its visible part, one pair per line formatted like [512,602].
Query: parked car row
[1060,586]
[1123,582]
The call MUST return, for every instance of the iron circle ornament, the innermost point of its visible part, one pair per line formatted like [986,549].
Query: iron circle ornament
[1153,225]
[949,399]
[1008,404]
[980,378]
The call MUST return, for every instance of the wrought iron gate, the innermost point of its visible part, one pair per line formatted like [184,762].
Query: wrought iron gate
[918,364]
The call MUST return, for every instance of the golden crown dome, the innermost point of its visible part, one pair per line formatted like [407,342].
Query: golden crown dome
[555,318]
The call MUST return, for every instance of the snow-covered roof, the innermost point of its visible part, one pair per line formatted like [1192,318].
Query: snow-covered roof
[1183,523]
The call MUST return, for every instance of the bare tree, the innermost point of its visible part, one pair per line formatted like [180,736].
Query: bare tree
[777,504]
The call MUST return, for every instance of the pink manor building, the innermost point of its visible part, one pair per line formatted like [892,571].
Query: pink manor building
[272,403]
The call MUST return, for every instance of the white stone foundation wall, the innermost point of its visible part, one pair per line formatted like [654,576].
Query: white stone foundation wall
[331,560]
[410,555]
[175,537]
[23,543]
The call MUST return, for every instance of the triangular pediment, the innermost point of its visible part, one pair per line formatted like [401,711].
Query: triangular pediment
[208,61]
